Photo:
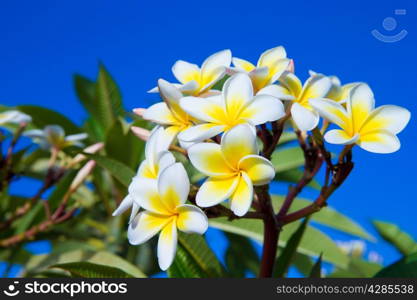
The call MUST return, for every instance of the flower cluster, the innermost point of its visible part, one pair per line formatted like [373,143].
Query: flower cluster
[217,132]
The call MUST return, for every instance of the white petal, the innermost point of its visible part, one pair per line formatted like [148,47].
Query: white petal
[190,87]
[264,109]
[35,134]
[204,109]
[242,197]
[238,92]
[174,185]
[208,159]
[316,86]
[276,91]
[158,142]
[237,143]
[259,169]
[304,119]
[76,137]
[272,55]
[388,117]
[331,110]
[191,219]
[219,59]
[134,212]
[201,132]
[126,203]
[380,141]
[242,65]
[169,93]
[215,190]
[360,104]
[167,245]
[165,160]
[337,136]
[159,113]
[145,193]
[185,72]
[144,226]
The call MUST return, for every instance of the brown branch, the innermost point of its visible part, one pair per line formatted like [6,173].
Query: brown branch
[277,129]
[271,233]
[340,173]
[34,230]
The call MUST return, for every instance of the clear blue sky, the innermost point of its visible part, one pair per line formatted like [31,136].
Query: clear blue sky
[45,42]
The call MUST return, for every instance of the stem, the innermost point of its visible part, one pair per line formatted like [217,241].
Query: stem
[271,233]
[270,245]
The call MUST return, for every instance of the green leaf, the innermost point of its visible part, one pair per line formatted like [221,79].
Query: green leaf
[65,253]
[219,84]
[401,240]
[284,260]
[404,268]
[240,256]
[86,92]
[108,99]
[313,243]
[118,170]
[326,216]
[357,268]
[194,259]
[316,270]
[303,263]
[61,189]
[43,116]
[132,150]
[287,159]
[293,176]
[286,137]
[89,270]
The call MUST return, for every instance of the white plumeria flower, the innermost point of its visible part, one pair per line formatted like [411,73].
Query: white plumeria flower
[157,159]
[371,129]
[303,114]
[14,117]
[338,92]
[271,65]
[196,81]
[233,167]
[236,105]
[165,212]
[53,136]
[169,112]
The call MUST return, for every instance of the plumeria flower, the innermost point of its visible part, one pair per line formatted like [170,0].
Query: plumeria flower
[371,129]
[271,65]
[168,113]
[14,117]
[303,114]
[197,81]
[157,159]
[53,136]
[233,167]
[165,212]
[236,105]
[338,92]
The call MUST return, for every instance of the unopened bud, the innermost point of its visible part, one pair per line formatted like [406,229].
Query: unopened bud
[291,66]
[82,175]
[90,150]
[141,133]
[139,111]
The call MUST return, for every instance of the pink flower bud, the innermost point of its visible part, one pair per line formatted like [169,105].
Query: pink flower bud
[139,111]
[141,133]
[82,175]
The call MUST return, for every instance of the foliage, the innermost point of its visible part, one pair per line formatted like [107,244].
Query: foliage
[79,188]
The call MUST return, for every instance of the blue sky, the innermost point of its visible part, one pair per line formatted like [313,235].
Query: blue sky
[45,42]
